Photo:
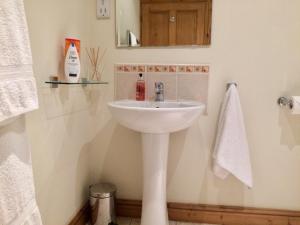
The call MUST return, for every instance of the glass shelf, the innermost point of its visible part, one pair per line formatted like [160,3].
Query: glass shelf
[54,84]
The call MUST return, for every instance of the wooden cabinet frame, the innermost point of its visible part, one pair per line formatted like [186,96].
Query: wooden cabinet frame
[158,29]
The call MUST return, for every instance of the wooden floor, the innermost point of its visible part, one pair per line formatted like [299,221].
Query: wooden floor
[129,221]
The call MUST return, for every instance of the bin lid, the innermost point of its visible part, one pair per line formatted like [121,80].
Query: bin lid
[102,190]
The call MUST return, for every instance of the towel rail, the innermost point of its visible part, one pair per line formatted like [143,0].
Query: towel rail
[285,102]
[230,83]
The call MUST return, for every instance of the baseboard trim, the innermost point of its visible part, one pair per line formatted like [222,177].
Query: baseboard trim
[82,217]
[212,214]
[209,214]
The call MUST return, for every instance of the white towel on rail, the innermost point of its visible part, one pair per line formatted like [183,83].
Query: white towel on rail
[231,153]
[17,193]
[18,93]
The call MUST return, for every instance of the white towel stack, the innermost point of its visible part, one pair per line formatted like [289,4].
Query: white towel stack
[17,194]
[18,93]
[231,154]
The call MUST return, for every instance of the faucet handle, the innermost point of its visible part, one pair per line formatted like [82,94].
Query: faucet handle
[159,85]
[159,91]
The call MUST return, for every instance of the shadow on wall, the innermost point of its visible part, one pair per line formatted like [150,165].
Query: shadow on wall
[116,155]
[117,158]
[290,129]
[67,100]
[176,148]
[231,191]
[70,113]
[118,151]
[186,165]
[190,177]
[81,178]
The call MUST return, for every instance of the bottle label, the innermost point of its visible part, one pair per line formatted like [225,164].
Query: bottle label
[140,91]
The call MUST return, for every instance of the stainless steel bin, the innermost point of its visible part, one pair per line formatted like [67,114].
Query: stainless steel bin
[102,202]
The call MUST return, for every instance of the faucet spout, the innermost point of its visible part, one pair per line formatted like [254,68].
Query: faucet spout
[159,92]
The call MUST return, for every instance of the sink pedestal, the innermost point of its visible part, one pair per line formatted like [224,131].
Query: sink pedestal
[155,160]
[155,120]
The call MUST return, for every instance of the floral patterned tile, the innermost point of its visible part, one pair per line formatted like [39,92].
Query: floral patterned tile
[135,68]
[142,68]
[119,68]
[172,69]
[182,82]
[128,68]
[166,68]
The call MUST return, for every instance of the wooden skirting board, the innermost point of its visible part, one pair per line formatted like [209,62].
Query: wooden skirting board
[82,217]
[209,214]
[216,214]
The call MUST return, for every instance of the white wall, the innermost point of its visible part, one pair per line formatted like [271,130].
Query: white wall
[61,129]
[255,43]
[76,142]
[128,14]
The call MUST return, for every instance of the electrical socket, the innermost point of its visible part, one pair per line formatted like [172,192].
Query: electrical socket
[103,9]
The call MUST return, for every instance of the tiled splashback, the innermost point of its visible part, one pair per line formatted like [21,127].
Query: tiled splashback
[150,68]
[182,82]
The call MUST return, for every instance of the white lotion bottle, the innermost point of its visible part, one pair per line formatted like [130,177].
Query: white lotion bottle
[72,65]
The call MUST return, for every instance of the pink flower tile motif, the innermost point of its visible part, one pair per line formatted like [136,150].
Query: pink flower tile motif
[205,69]
[141,68]
[172,69]
[182,69]
[189,69]
[150,69]
[157,69]
[119,68]
[164,69]
[134,69]
[198,69]
[127,68]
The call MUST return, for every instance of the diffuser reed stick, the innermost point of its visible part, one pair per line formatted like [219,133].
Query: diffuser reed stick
[96,57]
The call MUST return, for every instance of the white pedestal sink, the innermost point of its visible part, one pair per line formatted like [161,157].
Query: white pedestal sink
[155,120]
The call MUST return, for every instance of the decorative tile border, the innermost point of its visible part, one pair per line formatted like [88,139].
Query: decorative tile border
[163,68]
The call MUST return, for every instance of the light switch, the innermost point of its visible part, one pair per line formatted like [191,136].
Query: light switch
[103,9]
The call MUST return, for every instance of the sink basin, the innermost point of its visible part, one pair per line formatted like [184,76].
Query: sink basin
[155,120]
[156,117]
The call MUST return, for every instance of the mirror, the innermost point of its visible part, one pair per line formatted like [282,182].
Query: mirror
[156,23]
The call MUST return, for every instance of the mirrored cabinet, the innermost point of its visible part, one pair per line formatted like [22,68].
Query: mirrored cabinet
[152,23]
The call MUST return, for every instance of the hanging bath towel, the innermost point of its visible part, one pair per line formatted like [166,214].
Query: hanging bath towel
[18,92]
[18,95]
[17,195]
[231,154]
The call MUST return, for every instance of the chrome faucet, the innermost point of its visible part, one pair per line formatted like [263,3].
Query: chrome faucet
[159,92]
